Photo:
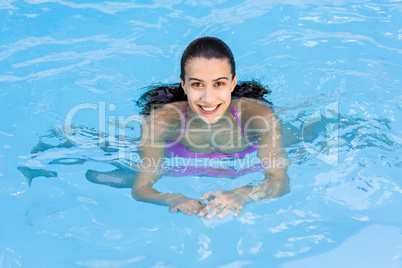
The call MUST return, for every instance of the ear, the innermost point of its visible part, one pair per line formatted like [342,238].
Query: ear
[182,84]
[234,82]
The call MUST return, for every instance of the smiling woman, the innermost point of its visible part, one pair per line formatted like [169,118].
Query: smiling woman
[208,86]
[217,119]
[334,70]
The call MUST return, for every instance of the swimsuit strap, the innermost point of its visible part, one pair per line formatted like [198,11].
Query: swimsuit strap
[175,149]
[238,120]
[184,124]
[184,127]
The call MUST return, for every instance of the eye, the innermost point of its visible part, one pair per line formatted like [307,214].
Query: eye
[219,84]
[196,84]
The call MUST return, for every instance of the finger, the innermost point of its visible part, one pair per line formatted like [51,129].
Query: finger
[197,208]
[218,192]
[174,209]
[193,209]
[225,212]
[207,196]
[238,211]
[202,203]
[205,210]
[213,212]
[184,211]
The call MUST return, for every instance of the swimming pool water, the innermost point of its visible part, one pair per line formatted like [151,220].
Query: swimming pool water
[334,68]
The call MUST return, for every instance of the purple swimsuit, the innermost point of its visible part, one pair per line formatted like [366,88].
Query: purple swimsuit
[175,149]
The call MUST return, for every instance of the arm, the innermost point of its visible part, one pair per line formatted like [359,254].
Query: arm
[148,174]
[271,154]
[152,150]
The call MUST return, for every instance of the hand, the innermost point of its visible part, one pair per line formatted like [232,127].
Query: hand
[188,206]
[223,202]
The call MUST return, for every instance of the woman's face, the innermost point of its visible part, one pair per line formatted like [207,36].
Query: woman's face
[208,84]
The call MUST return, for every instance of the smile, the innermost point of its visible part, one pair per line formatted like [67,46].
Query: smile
[209,109]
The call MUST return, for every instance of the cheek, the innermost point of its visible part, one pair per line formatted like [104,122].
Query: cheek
[192,96]
[227,95]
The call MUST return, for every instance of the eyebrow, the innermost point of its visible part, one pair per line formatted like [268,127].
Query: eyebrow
[196,79]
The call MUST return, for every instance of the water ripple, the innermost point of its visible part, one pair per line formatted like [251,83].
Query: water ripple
[309,34]
[109,7]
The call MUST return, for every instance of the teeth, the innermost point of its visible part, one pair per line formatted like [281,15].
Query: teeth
[209,109]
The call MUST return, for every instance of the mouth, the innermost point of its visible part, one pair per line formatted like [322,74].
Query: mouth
[209,109]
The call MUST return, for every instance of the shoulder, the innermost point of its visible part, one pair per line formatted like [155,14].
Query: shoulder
[165,122]
[252,107]
[169,112]
[255,114]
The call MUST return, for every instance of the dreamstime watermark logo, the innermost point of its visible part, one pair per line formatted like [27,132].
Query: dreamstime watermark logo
[265,130]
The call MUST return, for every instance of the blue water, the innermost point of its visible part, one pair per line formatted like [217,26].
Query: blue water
[334,67]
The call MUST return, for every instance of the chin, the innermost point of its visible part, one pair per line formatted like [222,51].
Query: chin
[211,120]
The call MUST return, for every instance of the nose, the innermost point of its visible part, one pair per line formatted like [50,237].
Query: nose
[208,96]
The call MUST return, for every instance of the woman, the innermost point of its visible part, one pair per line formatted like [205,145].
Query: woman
[203,117]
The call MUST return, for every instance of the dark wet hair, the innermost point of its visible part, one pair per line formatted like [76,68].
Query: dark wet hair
[159,95]
[205,47]
[209,48]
